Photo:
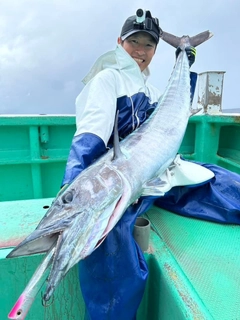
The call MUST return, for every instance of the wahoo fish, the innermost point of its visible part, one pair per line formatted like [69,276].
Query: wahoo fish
[144,163]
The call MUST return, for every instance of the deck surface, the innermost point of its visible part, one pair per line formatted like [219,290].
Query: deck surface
[19,218]
[193,266]
[209,256]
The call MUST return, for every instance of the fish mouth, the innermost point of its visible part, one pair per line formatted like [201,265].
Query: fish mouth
[39,244]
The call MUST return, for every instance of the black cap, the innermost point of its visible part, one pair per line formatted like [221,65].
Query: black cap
[142,21]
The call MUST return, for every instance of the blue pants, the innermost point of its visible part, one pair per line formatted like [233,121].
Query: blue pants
[113,277]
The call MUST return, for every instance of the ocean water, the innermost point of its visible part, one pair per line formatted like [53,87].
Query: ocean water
[237,110]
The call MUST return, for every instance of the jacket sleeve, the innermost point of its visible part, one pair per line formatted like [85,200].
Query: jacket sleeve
[95,113]
[96,106]
[85,148]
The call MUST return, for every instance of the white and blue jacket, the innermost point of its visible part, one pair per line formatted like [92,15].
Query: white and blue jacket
[115,82]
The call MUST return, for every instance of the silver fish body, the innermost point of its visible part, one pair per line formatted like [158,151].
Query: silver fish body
[81,216]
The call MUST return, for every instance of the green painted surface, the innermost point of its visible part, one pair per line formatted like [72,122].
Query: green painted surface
[169,294]
[38,147]
[19,218]
[208,255]
[193,268]
[193,265]
[14,276]
[165,282]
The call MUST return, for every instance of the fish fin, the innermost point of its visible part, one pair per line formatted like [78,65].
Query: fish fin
[117,153]
[186,173]
[154,187]
[179,173]
[193,41]
[194,111]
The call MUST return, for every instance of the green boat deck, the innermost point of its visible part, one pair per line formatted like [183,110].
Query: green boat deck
[199,263]
[193,268]
[193,264]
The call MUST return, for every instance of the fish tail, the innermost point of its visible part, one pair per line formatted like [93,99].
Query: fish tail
[200,38]
[193,41]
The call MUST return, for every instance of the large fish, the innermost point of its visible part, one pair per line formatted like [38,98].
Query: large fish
[144,163]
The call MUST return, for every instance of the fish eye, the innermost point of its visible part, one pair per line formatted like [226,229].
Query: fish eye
[67,197]
[19,312]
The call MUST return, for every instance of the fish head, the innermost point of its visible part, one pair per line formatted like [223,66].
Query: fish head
[92,190]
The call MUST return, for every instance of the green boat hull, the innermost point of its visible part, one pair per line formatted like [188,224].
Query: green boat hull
[193,264]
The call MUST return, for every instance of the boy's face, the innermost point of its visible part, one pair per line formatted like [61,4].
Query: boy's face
[141,47]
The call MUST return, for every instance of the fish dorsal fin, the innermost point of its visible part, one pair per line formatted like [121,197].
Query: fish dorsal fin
[116,146]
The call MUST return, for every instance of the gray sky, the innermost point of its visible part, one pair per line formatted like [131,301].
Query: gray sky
[48,46]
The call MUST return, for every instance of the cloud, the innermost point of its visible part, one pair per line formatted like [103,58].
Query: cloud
[47,46]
